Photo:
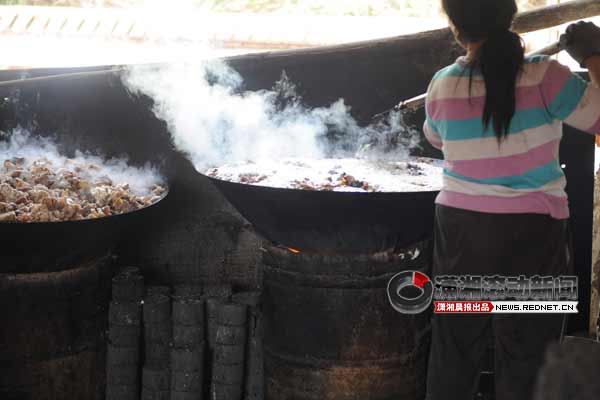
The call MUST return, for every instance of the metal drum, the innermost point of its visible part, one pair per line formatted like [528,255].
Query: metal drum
[331,334]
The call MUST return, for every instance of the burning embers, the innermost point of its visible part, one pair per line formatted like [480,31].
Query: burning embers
[338,175]
[39,185]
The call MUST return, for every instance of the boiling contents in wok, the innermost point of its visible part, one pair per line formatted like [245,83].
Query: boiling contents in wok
[51,190]
[339,175]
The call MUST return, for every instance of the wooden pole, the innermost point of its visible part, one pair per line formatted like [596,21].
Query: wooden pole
[555,15]
[529,21]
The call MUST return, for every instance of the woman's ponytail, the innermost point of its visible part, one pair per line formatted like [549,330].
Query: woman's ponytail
[500,59]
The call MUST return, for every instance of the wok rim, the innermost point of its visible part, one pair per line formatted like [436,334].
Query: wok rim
[88,220]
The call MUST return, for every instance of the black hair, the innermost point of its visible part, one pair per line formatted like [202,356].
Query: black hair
[500,58]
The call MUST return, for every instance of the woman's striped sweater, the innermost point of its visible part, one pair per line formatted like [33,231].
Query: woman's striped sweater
[522,173]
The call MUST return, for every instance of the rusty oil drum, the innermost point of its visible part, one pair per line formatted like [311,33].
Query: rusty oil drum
[330,332]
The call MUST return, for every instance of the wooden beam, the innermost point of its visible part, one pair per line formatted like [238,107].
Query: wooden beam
[558,14]
[414,44]
[529,21]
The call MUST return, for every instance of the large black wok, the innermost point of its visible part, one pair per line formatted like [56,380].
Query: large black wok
[53,246]
[333,222]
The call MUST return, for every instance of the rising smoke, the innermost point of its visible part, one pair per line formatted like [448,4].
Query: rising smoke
[214,122]
[20,143]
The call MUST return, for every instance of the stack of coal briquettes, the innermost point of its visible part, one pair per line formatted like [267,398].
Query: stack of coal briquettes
[199,341]
[123,351]
[215,295]
[156,376]
[187,354]
[254,374]
[229,352]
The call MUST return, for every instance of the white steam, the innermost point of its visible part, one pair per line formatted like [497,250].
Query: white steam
[214,122]
[20,144]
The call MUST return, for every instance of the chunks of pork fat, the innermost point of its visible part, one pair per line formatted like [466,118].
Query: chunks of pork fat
[37,191]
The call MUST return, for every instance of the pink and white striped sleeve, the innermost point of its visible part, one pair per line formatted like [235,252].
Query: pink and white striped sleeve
[432,136]
[571,99]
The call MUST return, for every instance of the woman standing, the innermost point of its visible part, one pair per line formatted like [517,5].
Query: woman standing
[497,116]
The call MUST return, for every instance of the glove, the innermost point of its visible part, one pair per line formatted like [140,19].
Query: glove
[581,41]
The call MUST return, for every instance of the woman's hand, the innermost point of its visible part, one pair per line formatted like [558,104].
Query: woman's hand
[593,65]
[581,41]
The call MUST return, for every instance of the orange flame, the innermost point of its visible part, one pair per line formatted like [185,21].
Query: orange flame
[295,251]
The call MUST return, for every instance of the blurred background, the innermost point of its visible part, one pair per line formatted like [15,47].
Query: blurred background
[59,33]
